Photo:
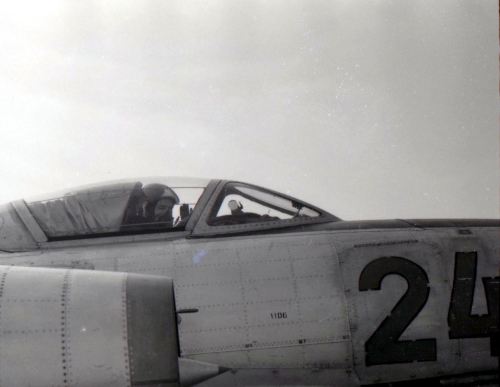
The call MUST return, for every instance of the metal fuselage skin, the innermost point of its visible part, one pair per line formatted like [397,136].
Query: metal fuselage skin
[305,304]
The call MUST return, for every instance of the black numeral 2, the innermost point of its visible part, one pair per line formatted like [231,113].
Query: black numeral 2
[383,346]
[460,320]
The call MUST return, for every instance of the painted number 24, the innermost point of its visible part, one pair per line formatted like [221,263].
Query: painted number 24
[383,346]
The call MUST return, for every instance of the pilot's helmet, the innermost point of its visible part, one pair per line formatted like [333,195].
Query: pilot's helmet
[155,192]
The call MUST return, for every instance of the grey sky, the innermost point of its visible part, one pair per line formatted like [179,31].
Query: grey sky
[369,109]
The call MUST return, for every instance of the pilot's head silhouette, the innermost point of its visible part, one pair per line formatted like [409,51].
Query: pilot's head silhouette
[163,210]
[160,201]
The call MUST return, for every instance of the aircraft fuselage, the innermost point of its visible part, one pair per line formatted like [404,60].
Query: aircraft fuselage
[343,303]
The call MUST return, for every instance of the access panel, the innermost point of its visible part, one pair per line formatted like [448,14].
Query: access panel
[263,302]
[397,295]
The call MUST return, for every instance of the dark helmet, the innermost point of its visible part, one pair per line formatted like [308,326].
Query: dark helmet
[155,192]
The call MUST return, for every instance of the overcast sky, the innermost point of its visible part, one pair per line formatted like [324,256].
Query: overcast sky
[366,108]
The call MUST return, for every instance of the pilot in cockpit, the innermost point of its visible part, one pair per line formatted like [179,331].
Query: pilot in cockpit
[150,207]
[163,212]
[160,203]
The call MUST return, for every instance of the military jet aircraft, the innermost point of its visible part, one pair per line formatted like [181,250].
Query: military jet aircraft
[185,281]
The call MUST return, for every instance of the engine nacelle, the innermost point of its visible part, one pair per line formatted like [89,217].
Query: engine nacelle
[86,328]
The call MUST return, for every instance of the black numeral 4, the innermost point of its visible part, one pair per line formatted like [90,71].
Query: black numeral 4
[462,323]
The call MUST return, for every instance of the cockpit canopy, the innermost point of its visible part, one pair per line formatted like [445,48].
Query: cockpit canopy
[150,204]
[200,207]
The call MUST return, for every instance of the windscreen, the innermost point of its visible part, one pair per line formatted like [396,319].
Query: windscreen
[240,204]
